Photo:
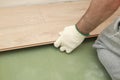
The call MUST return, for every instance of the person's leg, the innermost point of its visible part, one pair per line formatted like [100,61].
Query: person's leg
[111,63]
[108,49]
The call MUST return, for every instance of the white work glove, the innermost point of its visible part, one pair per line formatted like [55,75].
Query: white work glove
[69,39]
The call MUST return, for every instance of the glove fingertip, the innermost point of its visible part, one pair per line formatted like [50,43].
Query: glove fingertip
[57,43]
[68,51]
[62,49]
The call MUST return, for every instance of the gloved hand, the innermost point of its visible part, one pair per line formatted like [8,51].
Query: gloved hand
[69,39]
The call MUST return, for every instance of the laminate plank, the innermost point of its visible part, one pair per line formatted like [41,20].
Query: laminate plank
[35,25]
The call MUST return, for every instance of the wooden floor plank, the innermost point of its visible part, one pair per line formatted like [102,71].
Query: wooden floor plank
[28,26]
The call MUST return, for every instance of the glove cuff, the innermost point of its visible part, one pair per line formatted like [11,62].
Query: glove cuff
[81,32]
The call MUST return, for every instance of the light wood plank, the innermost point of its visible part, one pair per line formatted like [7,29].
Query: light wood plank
[28,26]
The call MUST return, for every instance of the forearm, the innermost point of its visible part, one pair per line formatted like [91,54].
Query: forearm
[98,12]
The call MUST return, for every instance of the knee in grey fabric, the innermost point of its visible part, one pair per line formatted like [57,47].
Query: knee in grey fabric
[111,63]
[108,49]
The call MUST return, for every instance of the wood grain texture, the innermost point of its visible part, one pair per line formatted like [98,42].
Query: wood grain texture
[28,26]
[12,3]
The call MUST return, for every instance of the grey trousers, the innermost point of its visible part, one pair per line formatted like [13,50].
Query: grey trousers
[108,49]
